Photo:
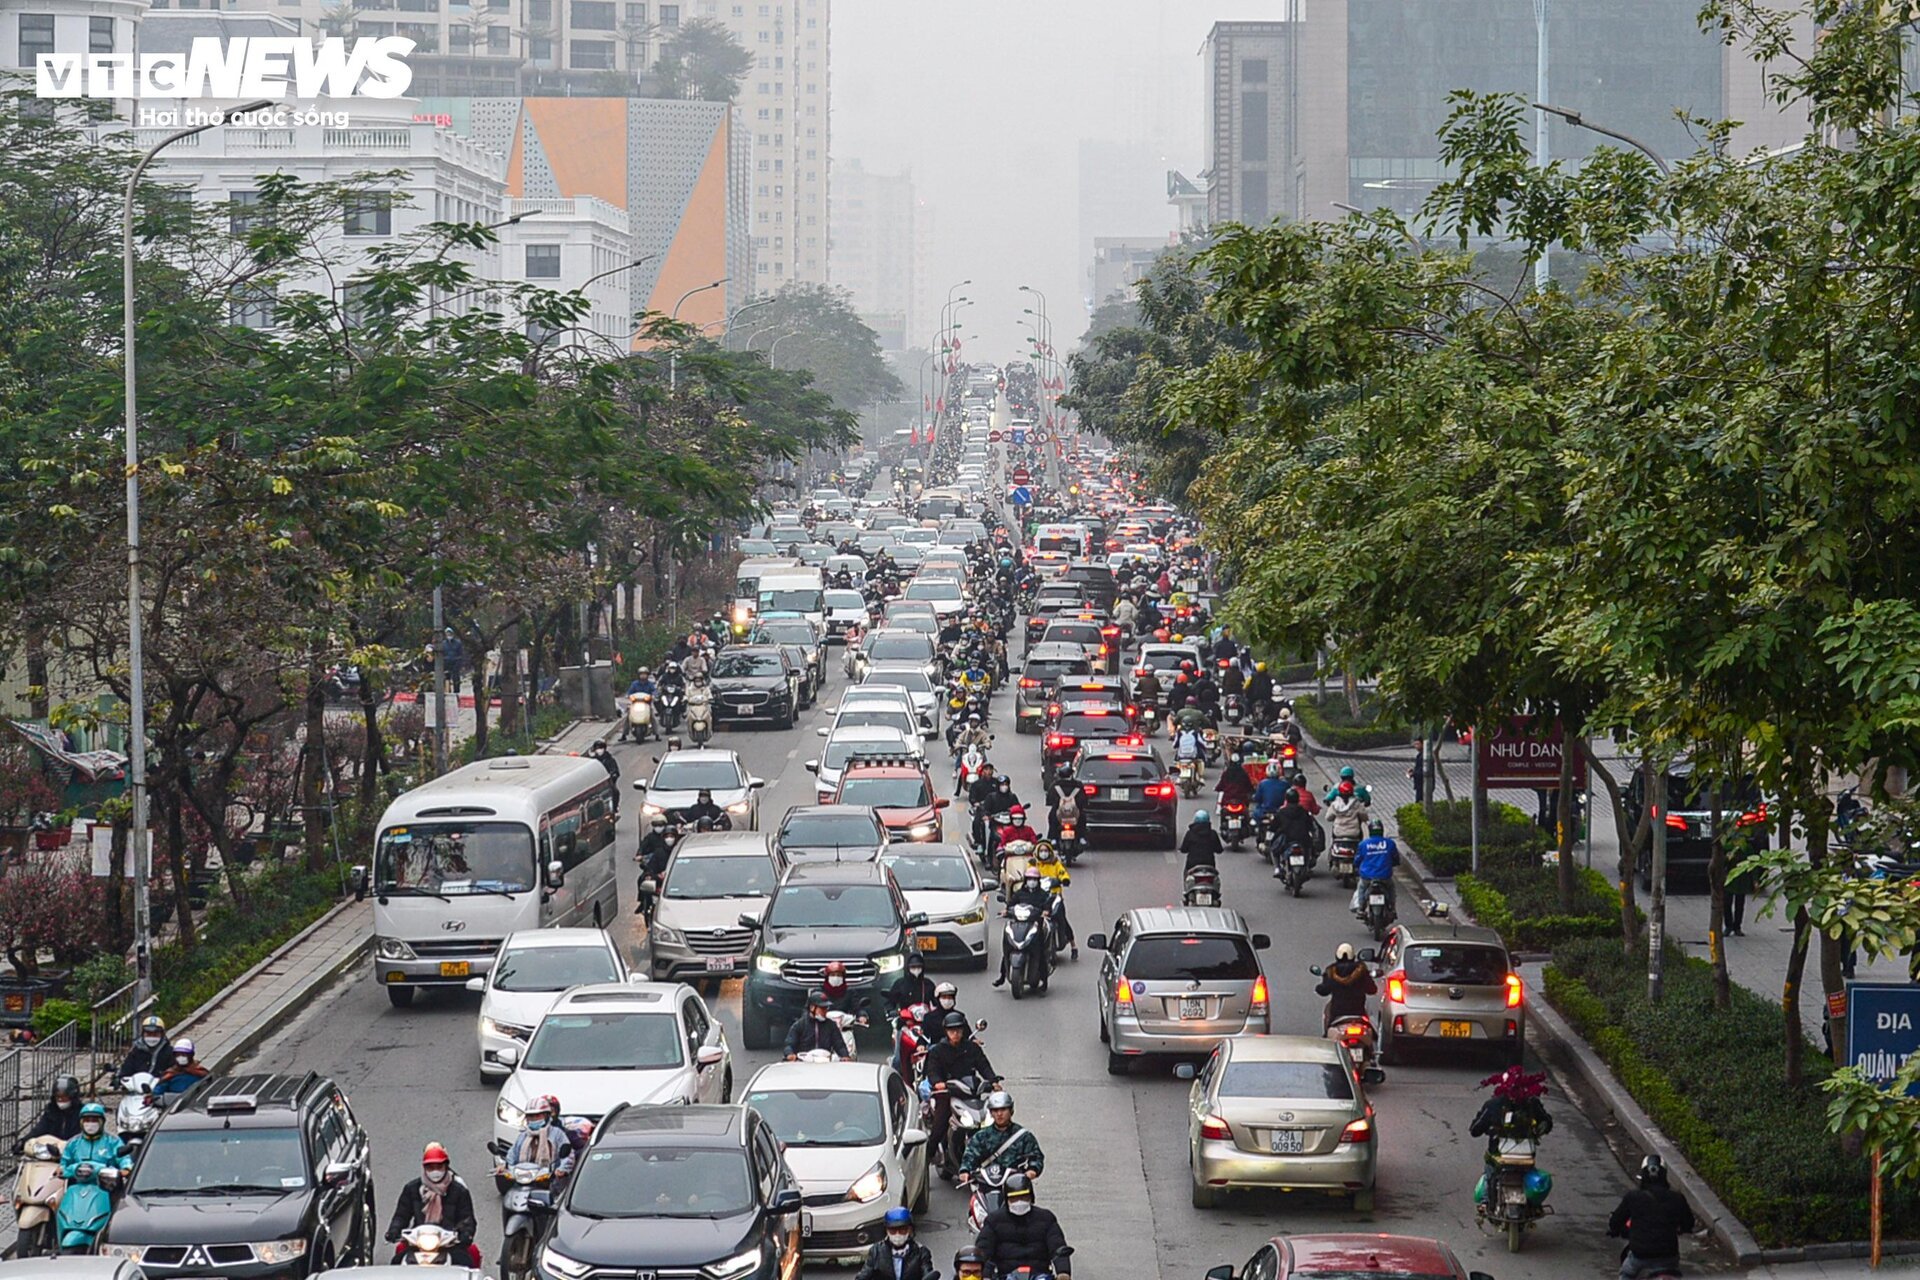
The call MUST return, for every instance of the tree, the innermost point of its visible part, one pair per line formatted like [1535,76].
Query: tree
[702,60]
[817,329]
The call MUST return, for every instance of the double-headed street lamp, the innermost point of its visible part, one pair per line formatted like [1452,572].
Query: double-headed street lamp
[673,357]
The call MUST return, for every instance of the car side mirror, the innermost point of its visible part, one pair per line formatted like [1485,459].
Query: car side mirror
[359,879]
[942,803]
[786,1200]
[1373,1075]
[813,766]
[509,1055]
[1096,942]
[1184,1071]
[639,784]
[823,731]
[1367,955]
[1261,942]
[541,1199]
[749,921]
[476,984]
[711,1055]
[912,1137]
[917,919]
[557,872]
[337,1172]
[754,784]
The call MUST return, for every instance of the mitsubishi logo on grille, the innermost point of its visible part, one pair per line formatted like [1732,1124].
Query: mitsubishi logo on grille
[196,1257]
[453,926]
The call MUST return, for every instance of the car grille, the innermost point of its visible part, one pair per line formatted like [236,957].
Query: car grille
[468,948]
[821,1199]
[209,1255]
[807,973]
[824,1241]
[743,695]
[718,942]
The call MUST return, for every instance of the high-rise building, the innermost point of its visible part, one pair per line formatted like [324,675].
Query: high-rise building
[1340,103]
[783,105]
[876,249]
[1118,261]
[1122,195]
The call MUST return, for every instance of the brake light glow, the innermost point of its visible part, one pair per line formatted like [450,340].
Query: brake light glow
[1360,1130]
[1676,823]
[1053,708]
[1354,1032]
[1123,994]
[1028,682]
[1160,790]
[1289,750]
[1131,740]
[1754,818]
[1132,711]
[1234,808]
[1057,740]
[1513,991]
[1214,1127]
[1397,986]
[1089,790]
[1110,632]
[1260,992]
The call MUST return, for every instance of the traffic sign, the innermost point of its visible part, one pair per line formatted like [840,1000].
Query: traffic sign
[1022,476]
[1883,1027]
[993,437]
[1021,496]
[1019,435]
[1040,437]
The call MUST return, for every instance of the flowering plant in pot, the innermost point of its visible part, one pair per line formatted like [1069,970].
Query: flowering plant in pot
[25,790]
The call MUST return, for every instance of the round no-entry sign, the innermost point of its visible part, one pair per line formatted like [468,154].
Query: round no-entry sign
[1022,476]
[993,437]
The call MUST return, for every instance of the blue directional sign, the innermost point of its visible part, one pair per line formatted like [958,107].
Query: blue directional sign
[1883,1027]
[1022,496]
[1019,435]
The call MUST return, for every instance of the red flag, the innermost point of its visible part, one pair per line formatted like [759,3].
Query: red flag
[940,406]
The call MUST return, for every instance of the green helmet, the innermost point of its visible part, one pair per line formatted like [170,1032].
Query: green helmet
[1376,828]
[94,1111]
[1347,773]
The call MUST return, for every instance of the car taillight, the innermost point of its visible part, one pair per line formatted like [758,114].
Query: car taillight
[1053,708]
[1058,740]
[1754,818]
[1676,823]
[1123,994]
[1028,682]
[1132,711]
[1110,632]
[1214,1127]
[1513,991]
[1397,986]
[1260,992]
[1160,790]
[1360,1130]
[1090,790]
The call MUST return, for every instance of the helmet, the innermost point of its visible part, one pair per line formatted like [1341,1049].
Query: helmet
[816,999]
[1259,666]
[1653,1171]
[915,960]
[152,1026]
[954,1021]
[1018,811]
[1346,787]
[1343,952]
[1018,1186]
[945,989]
[94,1111]
[834,969]
[659,821]
[706,796]
[1031,874]
[898,1216]
[644,672]
[544,1105]
[1376,828]
[973,717]
[1186,664]
[1181,678]
[66,1087]
[183,1047]
[999,1100]
[1202,818]
[969,1257]
[1346,773]
[435,1154]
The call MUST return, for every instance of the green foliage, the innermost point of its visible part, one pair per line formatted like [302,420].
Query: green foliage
[280,903]
[100,977]
[1444,841]
[817,329]
[1330,721]
[1522,903]
[1711,1080]
[55,1014]
[1885,1117]
[702,60]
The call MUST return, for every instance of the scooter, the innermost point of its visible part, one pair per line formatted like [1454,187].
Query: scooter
[1202,888]
[1342,862]
[138,1111]
[1013,864]
[1377,908]
[1512,1194]
[1233,824]
[639,719]
[1070,844]
[1358,1034]
[672,703]
[86,1206]
[966,770]
[37,1189]
[700,714]
[987,1188]
[1191,774]
[428,1245]
[1295,866]
[967,1099]
[525,1215]
[1028,947]
[1236,708]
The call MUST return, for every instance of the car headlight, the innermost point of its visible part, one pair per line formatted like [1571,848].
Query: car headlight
[561,1265]
[870,1186]
[653,810]
[666,933]
[488,1027]
[737,808]
[889,963]
[393,949]
[274,1251]
[744,1263]
[976,916]
[768,964]
[506,1113]
[921,831]
[132,1251]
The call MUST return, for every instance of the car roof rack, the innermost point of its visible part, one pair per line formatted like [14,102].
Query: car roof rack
[883,758]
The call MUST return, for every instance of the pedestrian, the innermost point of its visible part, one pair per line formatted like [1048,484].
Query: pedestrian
[1418,773]
[1739,884]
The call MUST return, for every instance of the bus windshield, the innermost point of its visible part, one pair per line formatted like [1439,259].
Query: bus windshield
[448,858]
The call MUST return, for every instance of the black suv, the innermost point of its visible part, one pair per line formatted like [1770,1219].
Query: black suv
[1689,815]
[698,1191]
[250,1177]
[852,912]
[756,682]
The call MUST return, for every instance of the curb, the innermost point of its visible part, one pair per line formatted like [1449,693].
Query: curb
[225,993]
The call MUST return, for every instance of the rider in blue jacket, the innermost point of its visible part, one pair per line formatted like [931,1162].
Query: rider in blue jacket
[1272,790]
[1373,862]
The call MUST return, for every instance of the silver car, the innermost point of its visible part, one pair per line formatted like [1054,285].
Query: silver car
[1178,980]
[713,878]
[926,697]
[682,775]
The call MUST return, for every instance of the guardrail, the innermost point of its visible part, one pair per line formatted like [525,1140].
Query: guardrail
[111,1023]
[27,1074]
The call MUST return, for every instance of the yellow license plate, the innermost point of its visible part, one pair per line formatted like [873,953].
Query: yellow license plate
[1457,1030]
[928,944]
[455,968]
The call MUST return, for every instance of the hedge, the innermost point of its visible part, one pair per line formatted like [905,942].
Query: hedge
[1523,905]
[281,901]
[1712,1080]
[1331,724]
[1444,840]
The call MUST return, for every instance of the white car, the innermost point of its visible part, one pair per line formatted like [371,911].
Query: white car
[919,537]
[846,608]
[842,744]
[600,1046]
[533,967]
[865,698]
[943,882]
[942,592]
[682,775]
[926,698]
[853,1136]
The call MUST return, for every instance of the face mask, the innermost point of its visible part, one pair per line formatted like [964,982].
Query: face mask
[946,1002]
[151,1042]
[436,1173]
[898,1239]
[65,1104]
[1020,1208]
[537,1125]
[90,1127]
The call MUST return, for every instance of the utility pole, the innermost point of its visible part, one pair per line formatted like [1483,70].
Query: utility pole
[1541,271]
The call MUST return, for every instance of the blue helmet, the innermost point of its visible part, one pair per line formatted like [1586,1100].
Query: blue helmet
[1203,817]
[899,1217]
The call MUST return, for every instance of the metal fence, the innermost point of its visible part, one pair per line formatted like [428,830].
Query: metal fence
[113,1021]
[27,1074]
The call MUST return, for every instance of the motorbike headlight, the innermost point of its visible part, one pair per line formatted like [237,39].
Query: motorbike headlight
[976,916]
[870,1186]
[506,1113]
[488,1027]
[132,1251]
[275,1251]
[744,1263]
[393,949]
[560,1264]
[889,963]
[768,964]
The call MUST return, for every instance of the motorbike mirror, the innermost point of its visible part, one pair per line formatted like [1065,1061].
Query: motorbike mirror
[1096,942]
[980,1024]
[359,879]
[639,784]
[476,984]
[711,1055]
[912,1137]
[337,1172]
[1261,942]
[1373,1075]
[1184,1071]
[499,1147]
[1315,970]
[749,921]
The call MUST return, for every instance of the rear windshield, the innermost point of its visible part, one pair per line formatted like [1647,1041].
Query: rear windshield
[1072,633]
[914,681]
[1111,769]
[1085,726]
[1097,574]
[1206,957]
[913,648]
[1456,965]
[1054,668]
[839,748]
[830,830]
[1325,1080]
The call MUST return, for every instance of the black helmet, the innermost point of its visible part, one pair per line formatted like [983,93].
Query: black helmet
[1018,1186]
[66,1087]
[816,999]
[1376,828]
[1653,1172]
[969,1257]
[954,1021]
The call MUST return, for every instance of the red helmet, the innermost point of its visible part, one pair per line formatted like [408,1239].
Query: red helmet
[435,1154]
[1017,811]
[1186,664]
[544,1105]
[1346,787]
[834,975]
[1181,678]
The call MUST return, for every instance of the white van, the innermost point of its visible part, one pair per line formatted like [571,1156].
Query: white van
[519,842]
[746,585]
[801,590]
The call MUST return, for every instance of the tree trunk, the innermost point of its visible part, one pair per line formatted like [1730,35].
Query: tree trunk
[1656,806]
[313,768]
[535,666]
[477,667]
[512,721]
[1629,838]
[1352,689]
[374,764]
[42,699]
[1795,1034]
[1717,914]
[1563,842]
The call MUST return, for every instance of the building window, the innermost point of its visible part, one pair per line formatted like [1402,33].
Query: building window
[499,40]
[1253,197]
[540,11]
[763,37]
[763,88]
[459,38]
[636,13]
[763,113]
[1253,127]
[243,212]
[593,15]
[591,55]
[368,213]
[36,37]
[543,262]
[669,15]
[540,50]
[252,307]
[99,35]
[1253,70]
[762,166]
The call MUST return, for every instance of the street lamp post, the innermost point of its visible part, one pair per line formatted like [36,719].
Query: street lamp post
[673,357]
[726,335]
[1579,121]
[1043,349]
[140,846]
[1541,273]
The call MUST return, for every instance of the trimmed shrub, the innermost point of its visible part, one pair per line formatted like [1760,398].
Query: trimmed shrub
[281,902]
[1444,840]
[1523,905]
[1331,723]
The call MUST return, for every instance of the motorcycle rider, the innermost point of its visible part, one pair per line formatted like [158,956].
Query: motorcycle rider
[1032,894]
[598,751]
[673,678]
[1373,862]
[1022,1234]
[1225,648]
[654,854]
[95,1147]
[1235,787]
[1292,829]
[1011,1146]
[900,1256]
[955,1056]
[1346,815]
[1346,983]
[1017,828]
[969,1264]
[1179,695]
[839,994]
[642,683]
[439,1196]
[1270,794]
[1232,678]
[1651,1219]
[1146,687]
[184,1074]
[1061,788]
[1351,783]
[1206,693]
[542,1138]
[1202,843]
[61,1118]
[813,1030]
[704,810]
[912,987]
[150,1052]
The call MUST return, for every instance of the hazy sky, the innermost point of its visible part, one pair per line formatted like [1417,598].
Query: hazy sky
[987,102]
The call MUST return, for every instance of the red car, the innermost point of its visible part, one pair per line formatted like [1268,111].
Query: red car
[898,791]
[1344,1256]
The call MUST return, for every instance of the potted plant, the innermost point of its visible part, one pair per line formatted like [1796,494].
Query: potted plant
[57,833]
[25,790]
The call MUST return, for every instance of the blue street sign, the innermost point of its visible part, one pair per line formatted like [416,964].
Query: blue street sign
[1883,1027]
[1019,435]
[1022,496]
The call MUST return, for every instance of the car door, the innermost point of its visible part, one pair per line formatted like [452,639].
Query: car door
[1110,965]
[903,1114]
[339,1197]
[703,1033]
[1199,1099]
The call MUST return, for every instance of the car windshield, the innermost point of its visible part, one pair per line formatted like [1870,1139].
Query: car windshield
[919,871]
[696,775]
[886,793]
[1323,1080]
[800,600]
[914,681]
[748,664]
[236,1160]
[1207,957]
[829,830]
[933,591]
[606,1042]
[747,876]
[847,600]
[552,968]
[1456,965]
[821,1117]
[833,906]
[454,857]
[658,1182]
[913,648]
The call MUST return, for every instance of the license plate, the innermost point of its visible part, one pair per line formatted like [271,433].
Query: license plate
[1513,1195]
[1289,1142]
[1120,793]
[927,944]
[806,1224]
[1192,1007]
[1297,860]
[1376,899]
[1457,1030]
[516,1198]
[719,964]
[455,968]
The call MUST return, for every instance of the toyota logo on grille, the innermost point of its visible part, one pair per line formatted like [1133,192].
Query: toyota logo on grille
[453,926]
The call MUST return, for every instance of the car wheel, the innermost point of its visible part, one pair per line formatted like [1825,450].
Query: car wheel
[726,1086]
[1104,1037]
[1204,1197]
[1116,1063]
[755,1031]
[923,1201]
[1363,1201]
[399,997]
[1170,838]
[1390,1054]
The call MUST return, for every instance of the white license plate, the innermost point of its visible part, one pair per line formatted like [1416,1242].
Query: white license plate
[806,1224]
[1376,899]
[1297,860]
[719,964]
[1119,793]
[1289,1142]
[1192,1007]
[1513,1195]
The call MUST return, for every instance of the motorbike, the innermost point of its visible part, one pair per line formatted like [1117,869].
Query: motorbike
[700,714]
[1359,1036]
[1377,908]
[911,1040]
[639,719]
[1233,824]
[429,1245]
[37,1190]
[1013,864]
[1039,1273]
[85,1206]
[987,1191]
[1202,888]
[966,770]
[1295,866]
[1342,862]
[1236,708]
[967,1097]
[1191,773]
[672,705]
[1027,942]
[1070,844]
[138,1111]
[1149,718]
[1512,1194]
[1210,737]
